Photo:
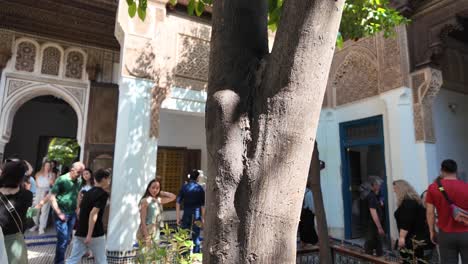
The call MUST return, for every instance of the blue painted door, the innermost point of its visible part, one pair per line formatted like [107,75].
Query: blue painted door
[363,155]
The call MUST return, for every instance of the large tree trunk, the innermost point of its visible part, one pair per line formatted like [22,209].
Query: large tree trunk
[261,120]
[322,227]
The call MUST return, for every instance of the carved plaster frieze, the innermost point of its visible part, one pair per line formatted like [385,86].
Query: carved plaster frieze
[437,42]
[139,60]
[426,85]
[158,95]
[192,84]
[192,58]
[77,93]
[355,79]
[14,85]
[6,42]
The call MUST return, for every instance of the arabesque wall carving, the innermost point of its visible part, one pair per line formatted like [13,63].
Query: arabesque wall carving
[25,56]
[356,78]
[426,85]
[368,67]
[51,59]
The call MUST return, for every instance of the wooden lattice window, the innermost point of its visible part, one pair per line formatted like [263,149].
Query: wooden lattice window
[173,165]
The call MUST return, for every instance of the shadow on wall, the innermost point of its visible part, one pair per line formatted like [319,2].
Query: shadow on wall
[137,104]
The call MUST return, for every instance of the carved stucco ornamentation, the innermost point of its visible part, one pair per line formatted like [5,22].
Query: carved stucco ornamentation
[192,58]
[391,76]
[158,95]
[368,42]
[183,82]
[51,59]
[423,96]
[417,80]
[74,67]
[6,40]
[139,60]
[14,85]
[25,57]
[355,79]
[78,93]
[438,42]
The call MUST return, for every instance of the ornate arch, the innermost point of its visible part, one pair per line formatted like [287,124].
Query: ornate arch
[356,77]
[21,91]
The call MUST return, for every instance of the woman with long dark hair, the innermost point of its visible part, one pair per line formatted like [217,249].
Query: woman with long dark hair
[151,208]
[88,179]
[14,204]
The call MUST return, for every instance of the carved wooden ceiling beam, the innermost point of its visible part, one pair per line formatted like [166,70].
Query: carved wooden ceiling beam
[86,22]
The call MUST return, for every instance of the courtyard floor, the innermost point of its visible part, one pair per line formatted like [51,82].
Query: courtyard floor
[41,248]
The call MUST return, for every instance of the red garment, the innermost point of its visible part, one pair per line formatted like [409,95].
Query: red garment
[458,192]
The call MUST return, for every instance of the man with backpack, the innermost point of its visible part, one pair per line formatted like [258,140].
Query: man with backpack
[449,196]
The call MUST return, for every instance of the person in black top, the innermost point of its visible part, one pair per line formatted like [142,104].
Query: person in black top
[90,229]
[410,217]
[375,231]
[14,204]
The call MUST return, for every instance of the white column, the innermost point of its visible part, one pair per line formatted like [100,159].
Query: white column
[134,162]
[135,151]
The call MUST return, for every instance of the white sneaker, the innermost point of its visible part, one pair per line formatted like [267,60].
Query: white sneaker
[41,231]
[33,229]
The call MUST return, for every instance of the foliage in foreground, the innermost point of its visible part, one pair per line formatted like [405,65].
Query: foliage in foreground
[63,150]
[174,246]
[361,18]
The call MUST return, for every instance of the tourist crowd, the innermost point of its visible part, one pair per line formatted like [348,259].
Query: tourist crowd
[436,221]
[78,198]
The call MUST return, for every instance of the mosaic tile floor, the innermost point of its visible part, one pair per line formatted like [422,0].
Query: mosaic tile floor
[41,248]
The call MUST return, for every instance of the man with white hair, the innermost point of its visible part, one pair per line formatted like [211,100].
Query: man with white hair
[63,198]
[375,231]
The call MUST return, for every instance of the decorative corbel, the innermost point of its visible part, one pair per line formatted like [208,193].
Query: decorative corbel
[426,85]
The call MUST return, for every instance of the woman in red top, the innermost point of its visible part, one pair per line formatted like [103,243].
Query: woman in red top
[453,234]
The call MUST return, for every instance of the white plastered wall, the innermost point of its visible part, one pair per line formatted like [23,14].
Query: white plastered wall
[404,157]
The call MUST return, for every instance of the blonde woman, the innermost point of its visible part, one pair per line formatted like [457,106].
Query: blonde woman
[410,217]
[44,180]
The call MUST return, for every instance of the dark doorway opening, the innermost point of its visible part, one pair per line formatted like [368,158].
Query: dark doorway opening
[363,155]
[35,123]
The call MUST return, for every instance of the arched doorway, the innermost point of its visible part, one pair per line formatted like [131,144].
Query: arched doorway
[35,123]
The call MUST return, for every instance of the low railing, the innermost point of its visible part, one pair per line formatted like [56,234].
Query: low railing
[343,255]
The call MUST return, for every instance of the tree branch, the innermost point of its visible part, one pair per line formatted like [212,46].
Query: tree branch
[305,41]
[239,38]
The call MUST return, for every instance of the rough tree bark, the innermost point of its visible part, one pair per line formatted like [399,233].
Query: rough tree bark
[261,120]
[322,227]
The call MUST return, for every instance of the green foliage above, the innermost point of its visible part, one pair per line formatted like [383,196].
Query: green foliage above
[63,150]
[361,18]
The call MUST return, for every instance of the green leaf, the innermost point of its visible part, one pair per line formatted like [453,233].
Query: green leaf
[339,41]
[142,13]
[132,8]
[173,2]
[191,7]
[199,8]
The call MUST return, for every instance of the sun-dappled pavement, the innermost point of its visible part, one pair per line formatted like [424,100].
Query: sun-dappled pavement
[41,248]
